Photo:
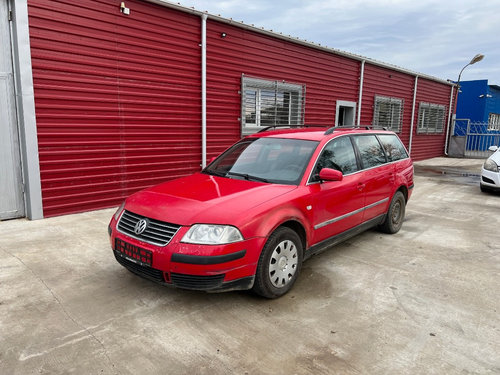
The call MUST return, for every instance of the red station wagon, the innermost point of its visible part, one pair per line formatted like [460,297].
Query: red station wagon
[256,212]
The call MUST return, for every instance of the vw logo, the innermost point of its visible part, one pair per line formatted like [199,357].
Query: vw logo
[140,226]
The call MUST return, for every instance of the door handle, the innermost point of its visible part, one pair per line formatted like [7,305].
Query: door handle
[361,186]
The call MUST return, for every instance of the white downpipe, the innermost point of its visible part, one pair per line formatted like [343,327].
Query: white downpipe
[449,123]
[361,81]
[204,90]
[412,123]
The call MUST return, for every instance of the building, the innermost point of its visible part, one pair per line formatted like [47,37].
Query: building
[479,102]
[104,99]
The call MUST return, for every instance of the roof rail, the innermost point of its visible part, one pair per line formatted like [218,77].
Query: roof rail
[283,126]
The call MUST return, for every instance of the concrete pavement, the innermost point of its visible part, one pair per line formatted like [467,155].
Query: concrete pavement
[423,301]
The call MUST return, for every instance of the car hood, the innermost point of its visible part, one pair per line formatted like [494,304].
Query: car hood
[202,198]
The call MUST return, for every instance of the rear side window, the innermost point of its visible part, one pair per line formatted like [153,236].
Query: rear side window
[338,154]
[370,151]
[393,147]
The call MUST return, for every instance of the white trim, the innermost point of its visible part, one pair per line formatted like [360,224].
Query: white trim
[449,123]
[349,214]
[204,90]
[345,103]
[360,98]
[25,99]
[412,124]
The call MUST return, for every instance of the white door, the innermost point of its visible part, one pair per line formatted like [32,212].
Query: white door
[11,192]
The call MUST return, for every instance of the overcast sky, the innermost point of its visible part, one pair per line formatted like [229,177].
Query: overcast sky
[432,37]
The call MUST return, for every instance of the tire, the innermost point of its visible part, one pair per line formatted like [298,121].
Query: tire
[279,263]
[483,189]
[395,215]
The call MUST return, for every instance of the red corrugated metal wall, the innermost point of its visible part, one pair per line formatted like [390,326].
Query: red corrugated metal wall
[427,146]
[385,82]
[327,77]
[117,99]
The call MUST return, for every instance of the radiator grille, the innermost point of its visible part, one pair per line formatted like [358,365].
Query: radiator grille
[157,232]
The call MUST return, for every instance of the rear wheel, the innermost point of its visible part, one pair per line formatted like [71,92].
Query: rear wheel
[395,215]
[279,263]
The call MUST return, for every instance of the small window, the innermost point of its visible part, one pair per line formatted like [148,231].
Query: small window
[370,150]
[344,116]
[394,149]
[388,113]
[494,121]
[431,118]
[268,103]
[338,154]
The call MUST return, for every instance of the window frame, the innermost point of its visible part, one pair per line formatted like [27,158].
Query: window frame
[493,121]
[295,114]
[438,123]
[392,101]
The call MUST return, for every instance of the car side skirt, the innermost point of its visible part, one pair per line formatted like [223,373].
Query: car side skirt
[332,241]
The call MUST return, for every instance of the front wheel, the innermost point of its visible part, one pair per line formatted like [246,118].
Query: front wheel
[279,263]
[395,215]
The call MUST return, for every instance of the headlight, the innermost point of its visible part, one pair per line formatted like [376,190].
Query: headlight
[490,165]
[119,210]
[211,234]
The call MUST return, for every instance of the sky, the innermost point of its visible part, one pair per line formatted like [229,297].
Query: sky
[432,37]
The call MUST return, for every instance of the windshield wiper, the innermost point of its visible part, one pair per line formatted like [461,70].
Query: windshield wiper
[214,173]
[247,176]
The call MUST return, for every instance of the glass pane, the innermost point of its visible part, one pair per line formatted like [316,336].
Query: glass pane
[370,150]
[338,154]
[393,147]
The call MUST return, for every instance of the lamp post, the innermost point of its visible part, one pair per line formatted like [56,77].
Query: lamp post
[474,60]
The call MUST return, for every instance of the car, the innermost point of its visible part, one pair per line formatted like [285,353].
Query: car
[490,172]
[255,213]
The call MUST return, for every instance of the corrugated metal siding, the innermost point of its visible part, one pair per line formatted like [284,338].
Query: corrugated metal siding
[327,78]
[117,99]
[386,82]
[427,146]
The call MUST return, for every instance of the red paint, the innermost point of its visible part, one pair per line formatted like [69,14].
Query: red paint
[256,209]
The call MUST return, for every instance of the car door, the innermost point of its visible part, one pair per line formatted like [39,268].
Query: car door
[337,205]
[377,176]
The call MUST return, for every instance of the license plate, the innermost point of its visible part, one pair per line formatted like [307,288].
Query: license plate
[134,253]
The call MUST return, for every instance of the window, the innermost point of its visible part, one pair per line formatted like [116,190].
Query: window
[344,116]
[394,149]
[431,118]
[267,103]
[388,113]
[370,150]
[494,121]
[338,154]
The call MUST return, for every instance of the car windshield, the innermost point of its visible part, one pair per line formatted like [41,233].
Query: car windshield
[273,160]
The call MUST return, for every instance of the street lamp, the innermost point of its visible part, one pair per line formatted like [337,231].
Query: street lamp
[474,60]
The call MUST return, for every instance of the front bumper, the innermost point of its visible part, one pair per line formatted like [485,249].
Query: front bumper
[190,266]
[490,180]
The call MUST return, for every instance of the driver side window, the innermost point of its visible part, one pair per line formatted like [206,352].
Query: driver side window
[339,155]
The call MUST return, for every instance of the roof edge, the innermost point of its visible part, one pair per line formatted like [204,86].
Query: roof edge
[299,41]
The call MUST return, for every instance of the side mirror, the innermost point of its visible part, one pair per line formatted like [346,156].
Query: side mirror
[493,148]
[327,174]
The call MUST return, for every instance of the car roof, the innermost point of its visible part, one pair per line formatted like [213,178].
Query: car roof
[315,133]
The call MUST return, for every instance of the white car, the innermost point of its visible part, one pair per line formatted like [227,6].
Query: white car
[490,173]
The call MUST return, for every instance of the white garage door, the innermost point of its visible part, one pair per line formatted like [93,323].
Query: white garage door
[11,194]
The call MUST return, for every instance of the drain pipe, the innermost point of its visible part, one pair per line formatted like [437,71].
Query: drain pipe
[412,123]
[446,141]
[361,81]
[204,90]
